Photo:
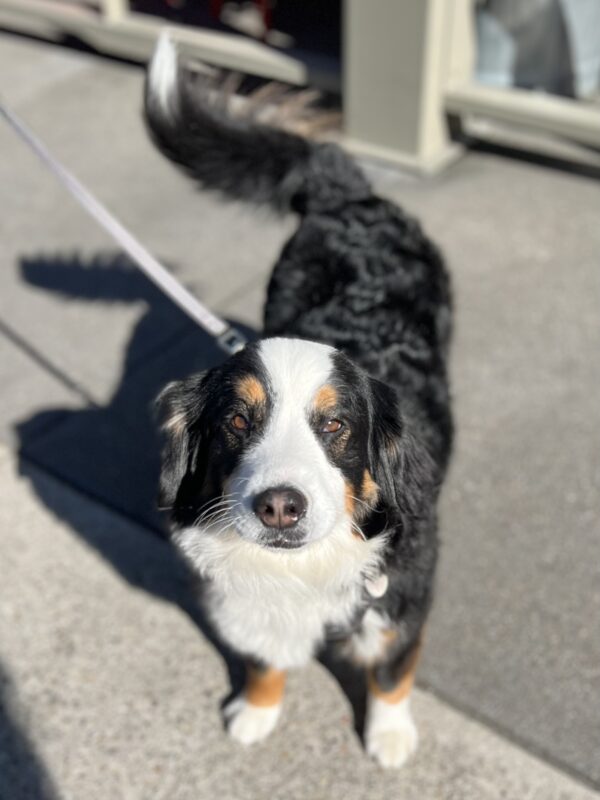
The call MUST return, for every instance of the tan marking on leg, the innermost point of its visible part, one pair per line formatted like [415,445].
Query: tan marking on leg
[405,682]
[264,687]
[251,390]
[326,398]
[370,490]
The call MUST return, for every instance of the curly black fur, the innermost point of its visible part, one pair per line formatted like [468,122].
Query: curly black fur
[361,275]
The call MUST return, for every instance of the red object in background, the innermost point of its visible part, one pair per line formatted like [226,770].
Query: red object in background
[215,8]
[265,9]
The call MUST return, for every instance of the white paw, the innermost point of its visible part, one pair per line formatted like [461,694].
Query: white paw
[390,734]
[247,723]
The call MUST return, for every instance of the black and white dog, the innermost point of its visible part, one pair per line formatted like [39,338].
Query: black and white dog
[302,475]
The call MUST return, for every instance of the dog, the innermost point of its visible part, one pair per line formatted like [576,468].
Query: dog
[302,474]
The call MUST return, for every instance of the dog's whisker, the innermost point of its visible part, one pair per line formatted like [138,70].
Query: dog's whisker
[215,510]
[230,523]
[213,518]
[358,530]
[208,518]
[243,480]
[362,502]
[215,505]
[217,517]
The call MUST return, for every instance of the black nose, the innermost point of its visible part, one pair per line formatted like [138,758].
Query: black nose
[279,507]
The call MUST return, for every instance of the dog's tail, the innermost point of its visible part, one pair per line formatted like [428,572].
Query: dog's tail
[236,153]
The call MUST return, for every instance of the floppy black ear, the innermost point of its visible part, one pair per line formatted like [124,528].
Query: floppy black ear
[400,463]
[180,406]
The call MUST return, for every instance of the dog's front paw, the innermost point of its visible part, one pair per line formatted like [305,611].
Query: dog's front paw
[247,723]
[390,735]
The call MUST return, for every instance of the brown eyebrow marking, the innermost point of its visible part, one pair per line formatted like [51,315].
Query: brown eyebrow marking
[251,390]
[326,398]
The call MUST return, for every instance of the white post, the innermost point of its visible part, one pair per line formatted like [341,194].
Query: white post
[114,10]
[398,57]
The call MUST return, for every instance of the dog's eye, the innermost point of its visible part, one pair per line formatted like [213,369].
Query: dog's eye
[332,426]
[239,422]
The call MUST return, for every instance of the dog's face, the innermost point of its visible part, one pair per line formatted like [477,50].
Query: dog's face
[285,442]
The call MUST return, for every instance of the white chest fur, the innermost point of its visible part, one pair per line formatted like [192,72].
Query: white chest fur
[275,604]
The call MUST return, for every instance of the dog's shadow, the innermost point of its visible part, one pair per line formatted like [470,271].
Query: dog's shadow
[110,452]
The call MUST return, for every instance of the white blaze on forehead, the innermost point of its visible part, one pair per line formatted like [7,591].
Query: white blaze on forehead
[289,452]
[296,370]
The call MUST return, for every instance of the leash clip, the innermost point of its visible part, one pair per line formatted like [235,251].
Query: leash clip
[231,341]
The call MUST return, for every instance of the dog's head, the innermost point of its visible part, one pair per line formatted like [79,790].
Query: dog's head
[286,442]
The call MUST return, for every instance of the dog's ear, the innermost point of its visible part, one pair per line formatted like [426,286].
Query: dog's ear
[400,463]
[179,409]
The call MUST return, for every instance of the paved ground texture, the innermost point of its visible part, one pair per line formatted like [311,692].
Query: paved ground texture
[109,686]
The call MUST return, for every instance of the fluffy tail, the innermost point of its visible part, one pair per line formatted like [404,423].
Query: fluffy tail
[237,154]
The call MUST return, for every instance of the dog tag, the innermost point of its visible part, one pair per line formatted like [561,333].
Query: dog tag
[377,587]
